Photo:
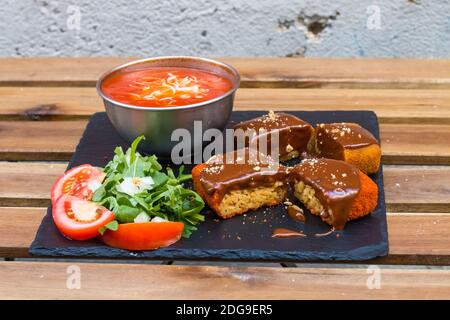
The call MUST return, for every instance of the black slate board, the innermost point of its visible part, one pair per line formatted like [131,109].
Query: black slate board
[245,238]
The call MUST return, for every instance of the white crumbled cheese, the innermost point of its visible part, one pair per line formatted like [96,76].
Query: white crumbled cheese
[158,219]
[135,185]
[142,217]
[93,184]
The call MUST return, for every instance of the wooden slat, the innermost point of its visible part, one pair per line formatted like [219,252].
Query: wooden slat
[28,184]
[255,72]
[56,140]
[46,280]
[391,106]
[407,106]
[17,230]
[418,238]
[414,238]
[417,188]
[408,188]
[39,140]
[415,144]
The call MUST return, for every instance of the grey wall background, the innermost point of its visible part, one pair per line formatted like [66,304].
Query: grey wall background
[392,28]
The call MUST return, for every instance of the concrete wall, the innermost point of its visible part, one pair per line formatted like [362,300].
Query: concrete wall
[396,28]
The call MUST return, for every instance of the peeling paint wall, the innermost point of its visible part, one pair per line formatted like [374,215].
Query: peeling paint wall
[400,28]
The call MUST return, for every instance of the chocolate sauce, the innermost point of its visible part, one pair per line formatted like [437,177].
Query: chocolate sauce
[294,134]
[296,213]
[325,233]
[336,185]
[333,138]
[286,233]
[247,170]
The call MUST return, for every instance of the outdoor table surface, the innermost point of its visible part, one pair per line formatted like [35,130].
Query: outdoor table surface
[45,104]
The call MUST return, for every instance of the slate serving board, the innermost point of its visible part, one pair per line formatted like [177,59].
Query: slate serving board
[242,238]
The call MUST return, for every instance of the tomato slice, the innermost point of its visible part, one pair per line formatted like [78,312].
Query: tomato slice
[80,182]
[79,219]
[144,235]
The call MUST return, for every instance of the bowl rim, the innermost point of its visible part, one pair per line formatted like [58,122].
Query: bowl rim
[100,80]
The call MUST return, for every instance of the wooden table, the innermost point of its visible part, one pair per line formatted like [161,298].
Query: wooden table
[44,107]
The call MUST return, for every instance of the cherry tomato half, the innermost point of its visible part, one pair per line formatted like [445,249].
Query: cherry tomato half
[144,235]
[79,219]
[80,182]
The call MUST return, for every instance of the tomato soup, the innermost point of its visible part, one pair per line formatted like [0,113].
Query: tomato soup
[165,86]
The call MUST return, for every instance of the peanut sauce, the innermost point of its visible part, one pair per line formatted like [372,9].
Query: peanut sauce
[336,185]
[287,233]
[247,170]
[294,133]
[334,138]
[296,213]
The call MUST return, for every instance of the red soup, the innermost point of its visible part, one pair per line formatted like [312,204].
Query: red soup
[165,86]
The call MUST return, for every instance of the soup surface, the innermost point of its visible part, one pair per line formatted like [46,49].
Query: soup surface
[165,86]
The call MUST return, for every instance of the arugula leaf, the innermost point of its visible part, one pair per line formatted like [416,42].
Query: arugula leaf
[112,225]
[167,198]
[126,214]
[99,194]
[159,178]
[133,149]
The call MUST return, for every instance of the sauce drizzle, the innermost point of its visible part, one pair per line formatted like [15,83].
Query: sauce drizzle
[296,213]
[287,233]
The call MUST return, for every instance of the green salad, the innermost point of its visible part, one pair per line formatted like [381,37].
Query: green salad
[137,189]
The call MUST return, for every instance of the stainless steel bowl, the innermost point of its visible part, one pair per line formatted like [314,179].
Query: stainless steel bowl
[157,124]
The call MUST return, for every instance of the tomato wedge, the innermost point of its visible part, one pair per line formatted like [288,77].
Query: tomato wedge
[144,235]
[79,219]
[80,182]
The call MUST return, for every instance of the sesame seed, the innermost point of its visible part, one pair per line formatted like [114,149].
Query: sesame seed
[272,115]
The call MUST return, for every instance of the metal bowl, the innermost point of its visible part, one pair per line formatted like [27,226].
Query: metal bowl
[158,123]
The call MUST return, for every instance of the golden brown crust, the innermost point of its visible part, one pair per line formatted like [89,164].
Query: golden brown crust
[367,199]
[367,159]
